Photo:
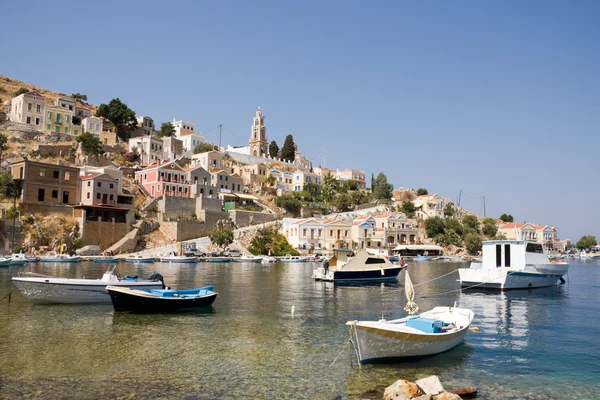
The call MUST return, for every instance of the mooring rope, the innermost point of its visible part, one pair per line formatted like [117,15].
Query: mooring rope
[8,295]
[434,279]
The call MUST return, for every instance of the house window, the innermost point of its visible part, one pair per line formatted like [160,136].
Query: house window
[66,130]
[331,233]
[88,195]
[38,108]
[55,194]
[28,120]
[99,184]
[66,118]
[55,174]
[67,176]
[37,121]
[98,196]
[57,129]
[41,193]
[111,197]
[29,106]
[65,197]
[48,127]
[42,172]
[49,115]
[89,183]
[111,185]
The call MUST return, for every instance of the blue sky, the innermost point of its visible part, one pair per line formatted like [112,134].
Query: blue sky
[495,98]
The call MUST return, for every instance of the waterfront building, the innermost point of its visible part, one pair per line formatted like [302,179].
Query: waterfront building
[60,120]
[304,234]
[93,125]
[544,234]
[29,108]
[208,160]
[223,180]
[145,126]
[46,188]
[164,179]
[67,102]
[338,234]
[429,205]
[149,148]
[392,229]
[301,177]
[258,138]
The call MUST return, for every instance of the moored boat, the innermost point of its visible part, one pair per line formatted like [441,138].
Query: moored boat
[19,259]
[428,333]
[139,259]
[218,259]
[5,261]
[364,266]
[46,289]
[268,259]
[53,256]
[248,258]
[107,259]
[173,258]
[290,258]
[160,300]
[421,257]
[512,264]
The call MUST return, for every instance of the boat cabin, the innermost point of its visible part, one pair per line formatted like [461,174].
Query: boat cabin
[513,253]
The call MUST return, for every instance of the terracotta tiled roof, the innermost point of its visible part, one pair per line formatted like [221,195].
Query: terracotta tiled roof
[90,176]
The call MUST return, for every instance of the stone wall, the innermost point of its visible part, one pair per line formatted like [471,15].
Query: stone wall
[177,207]
[185,229]
[46,150]
[243,218]
[103,234]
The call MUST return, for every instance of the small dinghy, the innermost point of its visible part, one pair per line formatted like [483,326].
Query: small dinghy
[160,300]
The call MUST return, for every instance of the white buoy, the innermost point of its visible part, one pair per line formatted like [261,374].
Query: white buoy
[293,310]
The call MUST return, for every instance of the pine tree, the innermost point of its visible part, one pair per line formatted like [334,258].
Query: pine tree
[288,151]
[273,149]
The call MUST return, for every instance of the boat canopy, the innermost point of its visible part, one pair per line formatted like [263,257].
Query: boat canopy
[364,261]
[418,249]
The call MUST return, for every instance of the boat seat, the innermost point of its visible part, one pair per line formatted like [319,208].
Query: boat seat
[163,292]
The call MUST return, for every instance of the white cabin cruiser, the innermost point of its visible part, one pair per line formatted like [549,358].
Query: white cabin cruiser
[512,264]
[46,289]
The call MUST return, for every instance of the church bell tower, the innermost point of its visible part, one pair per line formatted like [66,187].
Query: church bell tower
[258,138]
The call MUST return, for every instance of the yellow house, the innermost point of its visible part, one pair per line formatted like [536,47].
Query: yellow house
[60,120]
[338,234]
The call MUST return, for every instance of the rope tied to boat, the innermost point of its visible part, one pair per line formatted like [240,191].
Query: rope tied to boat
[411,307]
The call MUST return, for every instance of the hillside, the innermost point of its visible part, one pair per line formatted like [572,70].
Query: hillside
[8,87]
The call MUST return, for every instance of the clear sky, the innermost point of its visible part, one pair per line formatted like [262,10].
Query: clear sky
[495,98]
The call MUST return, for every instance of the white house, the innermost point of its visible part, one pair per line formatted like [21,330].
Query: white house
[300,178]
[29,108]
[92,125]
[150,148]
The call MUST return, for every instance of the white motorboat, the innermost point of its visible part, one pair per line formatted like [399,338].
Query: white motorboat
[46,289]
[512,264]
[19,259]
[5,261]
[268,259]
[248,258]
[290,258]
[53,256]
[173,258]
[364,266]
[431,332]
[139,259]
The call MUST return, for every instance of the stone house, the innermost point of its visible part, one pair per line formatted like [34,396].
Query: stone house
[93,125]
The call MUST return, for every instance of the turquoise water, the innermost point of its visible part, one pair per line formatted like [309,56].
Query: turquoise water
[534,344]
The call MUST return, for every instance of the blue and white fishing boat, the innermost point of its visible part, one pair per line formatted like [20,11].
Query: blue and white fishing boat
[19,259]
[219,259]
[160,300]
[106,259]
[421,257]
[53,256]
[513,264]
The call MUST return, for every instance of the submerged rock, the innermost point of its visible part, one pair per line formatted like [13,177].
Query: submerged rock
[401,390]
[430,385]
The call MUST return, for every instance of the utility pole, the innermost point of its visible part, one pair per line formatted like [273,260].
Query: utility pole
[220,131]
[459,194]
[484,216]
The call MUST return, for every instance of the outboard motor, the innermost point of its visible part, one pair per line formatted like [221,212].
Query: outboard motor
[155,276]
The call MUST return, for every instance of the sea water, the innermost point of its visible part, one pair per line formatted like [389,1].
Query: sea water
[531,344]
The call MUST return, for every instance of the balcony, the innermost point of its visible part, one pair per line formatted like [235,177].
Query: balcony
[57,123]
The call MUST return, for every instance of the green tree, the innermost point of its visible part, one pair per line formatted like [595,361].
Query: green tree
[313,189]
[449,210]
[330,187]
[491,221]
[8,187]
[166,130]
[3,141]
[288,151]
[221,237]
[586,242]
[204,147]
[383,189]
[434,226]
[350,185]
[449,238]
[422,191]
[289,203]
[90,143]
[473,243]
[262,242]
[489,230]
[342,202]
[270,180]
[121,116]
[408,208]
[21,91]
[507,218]
[273,149]
[453,225]
[471,221]
[82,98]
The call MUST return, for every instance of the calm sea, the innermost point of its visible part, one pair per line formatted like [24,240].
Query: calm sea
[537,344]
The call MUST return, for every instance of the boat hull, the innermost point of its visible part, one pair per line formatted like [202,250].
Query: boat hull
[60,260]
[383,340]
[107,260]
[133,302]
[51,291]
[219,259]
[503,278]
[388,274]
[182,260]
[145,260]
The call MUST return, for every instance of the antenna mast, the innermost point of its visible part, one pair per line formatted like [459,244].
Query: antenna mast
[220,131]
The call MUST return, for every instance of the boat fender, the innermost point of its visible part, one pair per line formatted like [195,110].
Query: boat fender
[562,280]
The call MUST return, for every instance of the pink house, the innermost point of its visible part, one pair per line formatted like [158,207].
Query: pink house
[164,179]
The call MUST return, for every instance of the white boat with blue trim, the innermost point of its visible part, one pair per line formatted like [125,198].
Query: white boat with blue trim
[512,264]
